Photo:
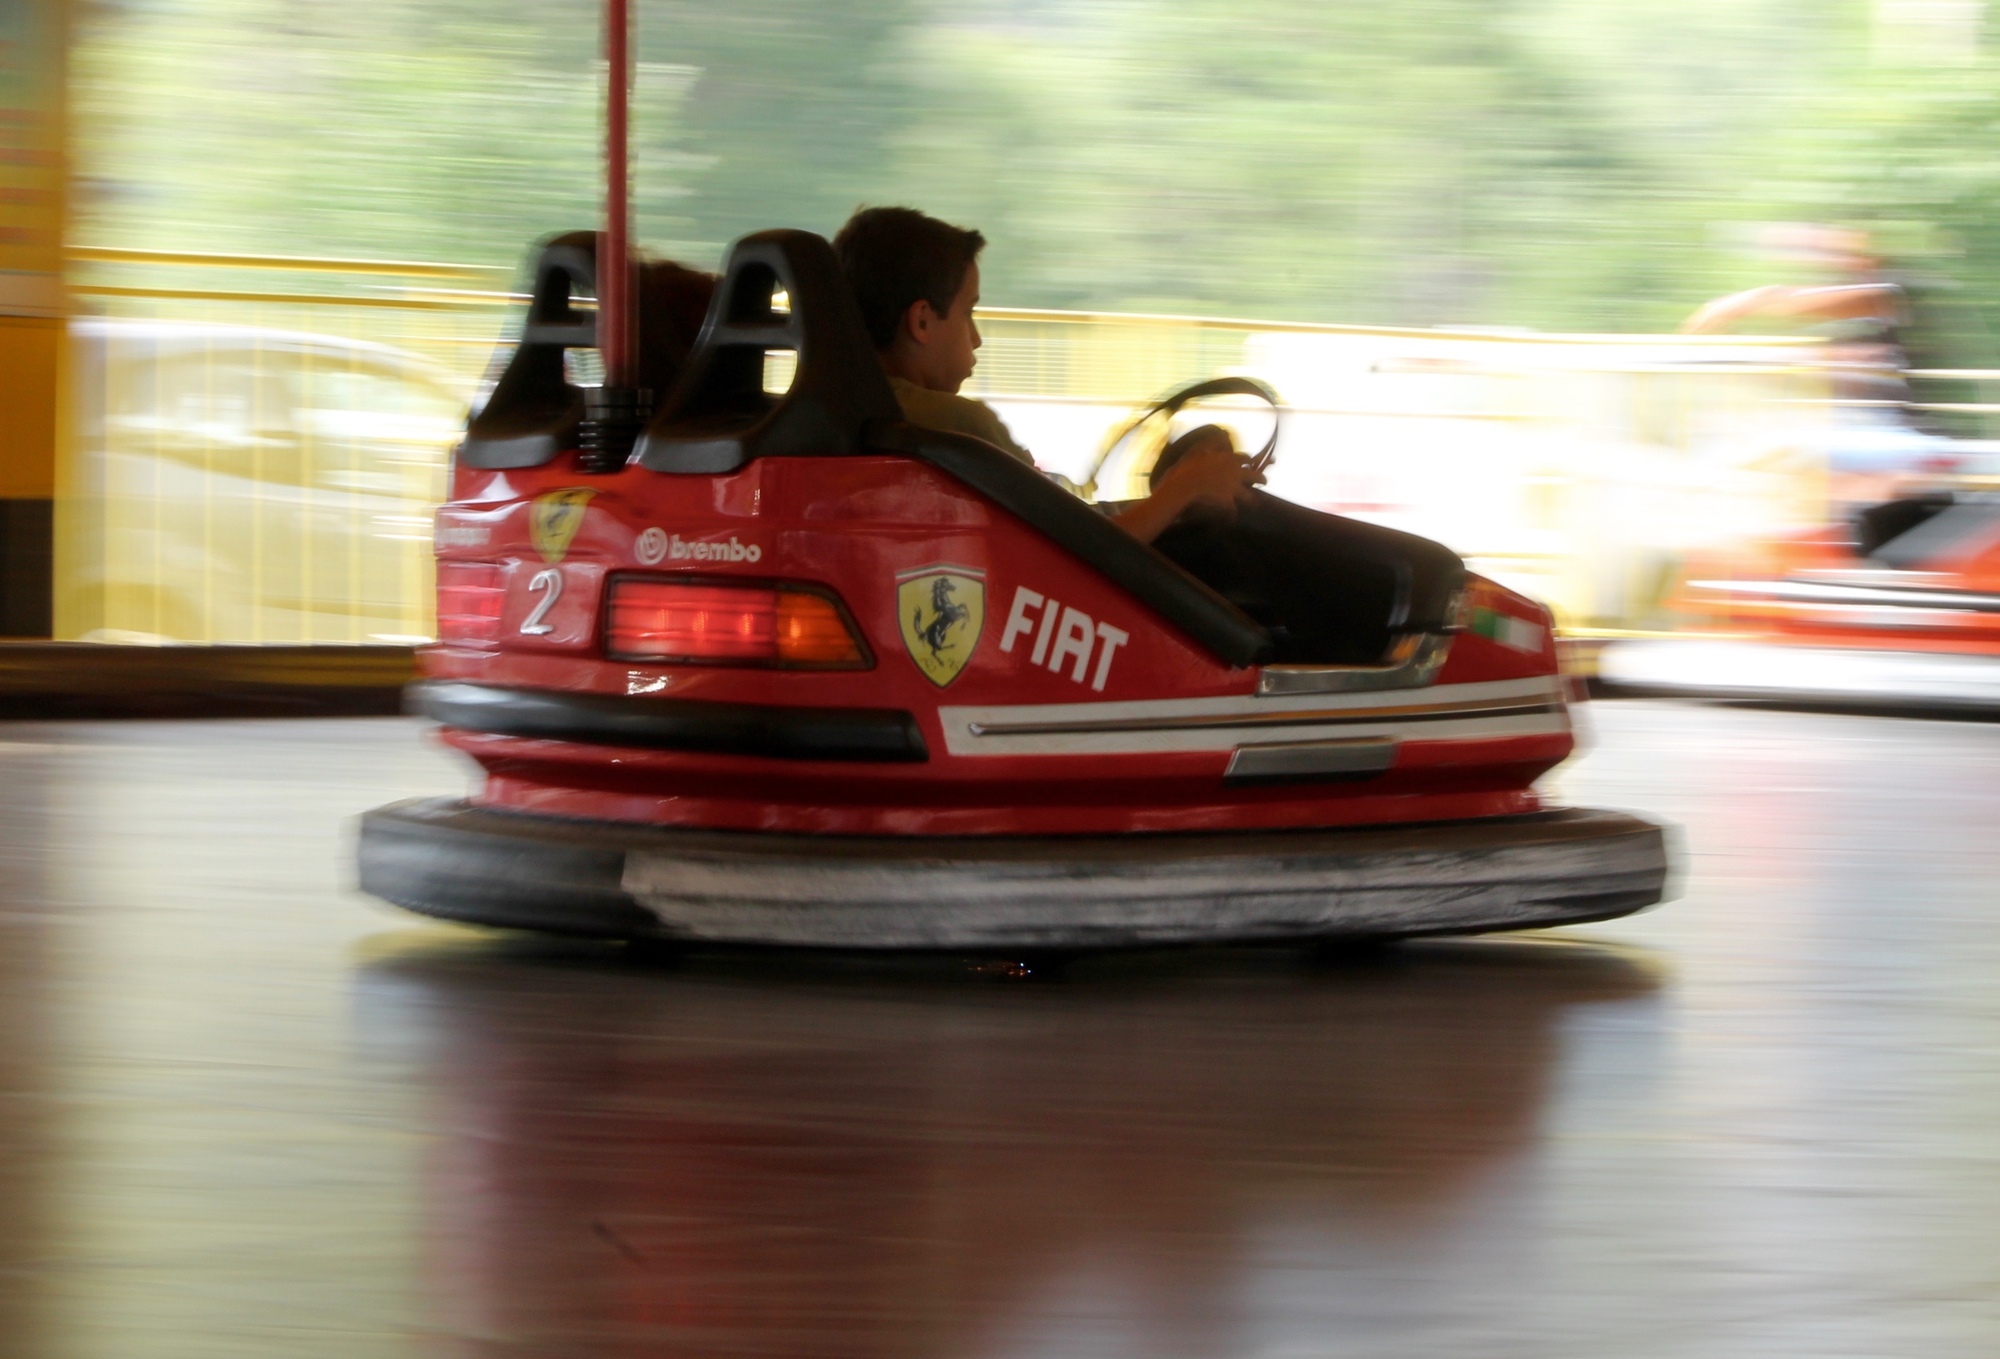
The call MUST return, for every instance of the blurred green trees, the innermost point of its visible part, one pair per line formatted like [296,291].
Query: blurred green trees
[1549,163]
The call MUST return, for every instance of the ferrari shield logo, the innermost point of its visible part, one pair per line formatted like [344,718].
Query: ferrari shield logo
[942,609]
[554,519]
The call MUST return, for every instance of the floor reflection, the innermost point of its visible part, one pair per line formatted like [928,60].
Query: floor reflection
[247,1112]
[28,1125]
[758,1156]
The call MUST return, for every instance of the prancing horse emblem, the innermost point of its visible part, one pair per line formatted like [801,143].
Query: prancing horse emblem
[554,519]
[942,610]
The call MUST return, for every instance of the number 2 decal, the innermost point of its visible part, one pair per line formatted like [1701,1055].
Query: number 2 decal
[550,580]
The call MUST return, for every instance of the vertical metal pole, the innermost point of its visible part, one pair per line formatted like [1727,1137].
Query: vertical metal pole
[614,275]
[615,413]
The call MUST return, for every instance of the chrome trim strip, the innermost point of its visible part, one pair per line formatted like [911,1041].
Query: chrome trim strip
[1551,721]
[1964,601]
[1313,759]
[1296,717]
[1219,724]
[1419,668]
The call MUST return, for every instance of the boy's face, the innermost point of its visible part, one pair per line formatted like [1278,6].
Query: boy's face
[946,345]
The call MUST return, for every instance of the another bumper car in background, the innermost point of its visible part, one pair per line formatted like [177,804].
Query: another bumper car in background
[1900,606]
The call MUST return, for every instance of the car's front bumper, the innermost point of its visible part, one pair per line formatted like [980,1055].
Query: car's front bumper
[447,858]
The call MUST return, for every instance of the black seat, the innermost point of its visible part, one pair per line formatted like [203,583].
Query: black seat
[718,415]
[533,411]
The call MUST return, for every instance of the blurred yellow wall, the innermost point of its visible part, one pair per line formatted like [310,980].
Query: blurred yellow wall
[33,69]
[30,348]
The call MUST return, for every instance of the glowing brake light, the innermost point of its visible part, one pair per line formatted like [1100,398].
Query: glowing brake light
[469,596]
[728,624]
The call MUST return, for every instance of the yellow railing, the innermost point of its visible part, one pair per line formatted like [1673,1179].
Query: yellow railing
[300,264]
[259,441]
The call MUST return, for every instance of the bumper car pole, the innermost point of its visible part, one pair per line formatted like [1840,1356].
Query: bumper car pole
[615,412]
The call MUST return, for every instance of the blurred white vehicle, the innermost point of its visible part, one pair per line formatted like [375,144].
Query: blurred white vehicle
[240,484]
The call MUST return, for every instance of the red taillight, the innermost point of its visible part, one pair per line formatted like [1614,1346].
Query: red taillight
[693,622]
[702,621]
[468,603]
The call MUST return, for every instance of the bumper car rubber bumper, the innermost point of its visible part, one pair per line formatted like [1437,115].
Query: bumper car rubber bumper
[446,858]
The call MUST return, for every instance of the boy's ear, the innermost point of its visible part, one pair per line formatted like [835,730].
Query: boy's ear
[918,320]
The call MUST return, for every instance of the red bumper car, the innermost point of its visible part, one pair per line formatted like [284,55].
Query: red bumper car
[796,672]
[1899,607]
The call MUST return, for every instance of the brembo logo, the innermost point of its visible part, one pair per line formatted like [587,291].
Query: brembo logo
[655,546]
[1062,633]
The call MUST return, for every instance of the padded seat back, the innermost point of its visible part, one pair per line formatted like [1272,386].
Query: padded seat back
[718,415]
[534,410]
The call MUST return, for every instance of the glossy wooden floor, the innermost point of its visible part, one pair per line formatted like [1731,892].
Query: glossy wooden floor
[249,1113]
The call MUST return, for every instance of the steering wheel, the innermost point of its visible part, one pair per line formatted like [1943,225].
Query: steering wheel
[1171,404]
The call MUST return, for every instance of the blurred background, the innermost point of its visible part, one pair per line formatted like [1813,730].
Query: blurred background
[1458,236]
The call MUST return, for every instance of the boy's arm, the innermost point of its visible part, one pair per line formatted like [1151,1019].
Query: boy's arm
[1211,474]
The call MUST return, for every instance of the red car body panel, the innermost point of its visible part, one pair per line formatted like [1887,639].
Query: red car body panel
[1468,744]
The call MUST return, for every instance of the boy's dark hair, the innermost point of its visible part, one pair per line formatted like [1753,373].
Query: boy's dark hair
[894,257]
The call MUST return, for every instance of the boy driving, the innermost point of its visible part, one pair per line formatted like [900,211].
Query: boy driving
[917,281]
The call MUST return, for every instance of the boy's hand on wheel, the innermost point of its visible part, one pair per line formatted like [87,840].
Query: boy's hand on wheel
[1211,474]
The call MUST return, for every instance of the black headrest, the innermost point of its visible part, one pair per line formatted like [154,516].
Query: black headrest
[533,411]
[718,415]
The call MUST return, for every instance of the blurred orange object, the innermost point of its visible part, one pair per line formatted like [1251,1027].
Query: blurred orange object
[1899,605]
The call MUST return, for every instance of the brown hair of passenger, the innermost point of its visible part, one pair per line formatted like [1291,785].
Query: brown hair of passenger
[673,303]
